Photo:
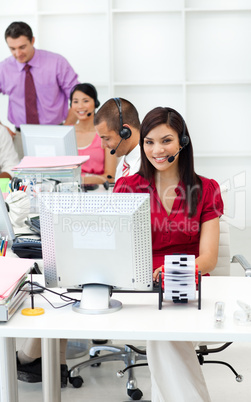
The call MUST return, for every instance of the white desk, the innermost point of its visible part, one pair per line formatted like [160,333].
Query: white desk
[139,319]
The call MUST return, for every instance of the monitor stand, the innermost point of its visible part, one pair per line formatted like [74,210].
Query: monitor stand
[96,299]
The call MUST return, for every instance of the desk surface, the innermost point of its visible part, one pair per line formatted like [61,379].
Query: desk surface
[140,319]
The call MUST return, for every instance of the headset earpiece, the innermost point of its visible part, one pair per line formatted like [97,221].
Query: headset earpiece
[184,140]
[15,182]
[124,132]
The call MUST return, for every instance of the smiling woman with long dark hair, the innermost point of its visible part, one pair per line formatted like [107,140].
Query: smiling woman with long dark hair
[185,211]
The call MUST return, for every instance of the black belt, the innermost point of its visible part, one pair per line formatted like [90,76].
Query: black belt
[17,129]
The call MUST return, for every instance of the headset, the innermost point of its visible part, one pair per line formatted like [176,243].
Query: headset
[184,140]
[124,132]
[15,183]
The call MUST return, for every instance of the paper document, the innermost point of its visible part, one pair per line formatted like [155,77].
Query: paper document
[12,270]
[37,162]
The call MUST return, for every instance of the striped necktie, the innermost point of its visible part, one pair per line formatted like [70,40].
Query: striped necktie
[30,98]
[125,169]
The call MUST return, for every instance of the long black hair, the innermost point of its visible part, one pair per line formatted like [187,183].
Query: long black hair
[191,181]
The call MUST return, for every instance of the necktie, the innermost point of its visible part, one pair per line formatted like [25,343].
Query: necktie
[30,98]
[125,169]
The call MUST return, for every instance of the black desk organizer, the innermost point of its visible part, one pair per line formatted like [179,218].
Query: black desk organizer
[157,288]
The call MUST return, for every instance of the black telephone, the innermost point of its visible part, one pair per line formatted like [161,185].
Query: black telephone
[27,248]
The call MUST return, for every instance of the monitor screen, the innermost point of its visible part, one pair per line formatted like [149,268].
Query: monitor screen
[48,140]
[6,228]
[98,241]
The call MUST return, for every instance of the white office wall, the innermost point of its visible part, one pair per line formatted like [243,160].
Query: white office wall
[193,55]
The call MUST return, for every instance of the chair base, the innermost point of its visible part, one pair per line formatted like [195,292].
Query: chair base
[126,354]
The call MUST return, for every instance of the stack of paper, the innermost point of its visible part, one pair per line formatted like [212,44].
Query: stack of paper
[54,162]
[179,278]
[13,272]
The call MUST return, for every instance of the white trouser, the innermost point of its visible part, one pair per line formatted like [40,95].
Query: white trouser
[176,374]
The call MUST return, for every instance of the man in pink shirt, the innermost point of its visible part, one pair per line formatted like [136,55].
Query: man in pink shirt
[53,78]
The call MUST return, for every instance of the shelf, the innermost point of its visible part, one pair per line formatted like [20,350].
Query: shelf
[181,83]
[116,11]
[67,13]
[215,10]
[223,155]
[147,83]
[219,82]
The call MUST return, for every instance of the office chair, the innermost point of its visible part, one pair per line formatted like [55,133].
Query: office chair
[223,269]
[131,355]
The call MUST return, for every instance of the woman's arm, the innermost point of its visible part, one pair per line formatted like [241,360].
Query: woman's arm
[208,248]
[209,245]
[110,165]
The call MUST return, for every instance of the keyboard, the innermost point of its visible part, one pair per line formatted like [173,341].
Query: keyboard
[27,240]
[34,224]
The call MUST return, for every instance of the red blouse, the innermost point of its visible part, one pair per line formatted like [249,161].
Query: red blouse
[176,232]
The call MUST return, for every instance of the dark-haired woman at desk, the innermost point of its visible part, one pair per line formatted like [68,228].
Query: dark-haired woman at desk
[84,101]
[185,210]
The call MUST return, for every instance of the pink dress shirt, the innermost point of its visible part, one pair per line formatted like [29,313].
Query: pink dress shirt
[53,78]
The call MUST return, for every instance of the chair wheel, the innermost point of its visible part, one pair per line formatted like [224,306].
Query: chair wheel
[239,378]
[135,394]
[95,364]
[76,381]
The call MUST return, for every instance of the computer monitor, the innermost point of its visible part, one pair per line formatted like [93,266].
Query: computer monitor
[98,242]
[48,140]
[6,228]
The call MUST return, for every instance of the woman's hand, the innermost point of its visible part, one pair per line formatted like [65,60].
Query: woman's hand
[156,274]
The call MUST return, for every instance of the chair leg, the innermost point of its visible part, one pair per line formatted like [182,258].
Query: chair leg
[129,355]
[130,360]
[238,377]
[204,351]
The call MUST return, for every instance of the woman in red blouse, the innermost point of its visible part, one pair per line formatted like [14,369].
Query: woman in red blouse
[185,211]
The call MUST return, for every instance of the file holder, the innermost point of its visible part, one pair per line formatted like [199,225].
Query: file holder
[181,278]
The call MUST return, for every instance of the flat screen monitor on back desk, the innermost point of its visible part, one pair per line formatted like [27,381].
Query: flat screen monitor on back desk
[6,228]
[48,140]
[100,242]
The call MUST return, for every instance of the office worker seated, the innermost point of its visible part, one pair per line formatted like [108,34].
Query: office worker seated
[185,210]
[8,154]
[108,125]
[117,123]
[101,165]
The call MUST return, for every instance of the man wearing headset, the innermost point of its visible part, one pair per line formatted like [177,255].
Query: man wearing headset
[117,123]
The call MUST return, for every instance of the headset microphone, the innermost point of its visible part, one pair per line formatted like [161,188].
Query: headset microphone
[171,158]
[112,152]
[89,114]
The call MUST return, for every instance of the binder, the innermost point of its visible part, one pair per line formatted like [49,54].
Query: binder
[13,273]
